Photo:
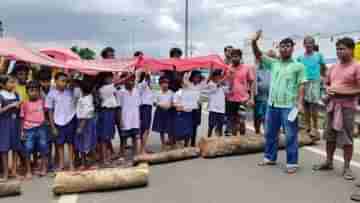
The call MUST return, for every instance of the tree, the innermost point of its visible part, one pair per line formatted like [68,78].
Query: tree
[84,53]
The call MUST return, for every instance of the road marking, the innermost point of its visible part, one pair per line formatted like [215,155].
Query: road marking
[336,157]
[68,198]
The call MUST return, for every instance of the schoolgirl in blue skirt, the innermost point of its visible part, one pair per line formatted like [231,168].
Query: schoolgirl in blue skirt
[107,114]
[162,116]
[146,102]
[186,100]
[10,124]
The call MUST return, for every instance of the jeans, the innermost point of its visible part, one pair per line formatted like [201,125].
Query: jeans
[37,140]
[275,118]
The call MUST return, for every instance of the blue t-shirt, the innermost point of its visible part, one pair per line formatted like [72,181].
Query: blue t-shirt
[263,79]
[312,65]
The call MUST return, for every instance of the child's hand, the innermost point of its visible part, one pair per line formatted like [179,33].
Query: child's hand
[78,131]
[22,136]
[55,132]
[15,105]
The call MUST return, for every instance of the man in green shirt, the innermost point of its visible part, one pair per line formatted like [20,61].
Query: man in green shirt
[286,94]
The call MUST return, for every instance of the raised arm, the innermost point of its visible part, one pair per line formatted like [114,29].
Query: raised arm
[254,44]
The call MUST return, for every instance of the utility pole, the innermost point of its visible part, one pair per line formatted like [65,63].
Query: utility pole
[186,28]
[1,30]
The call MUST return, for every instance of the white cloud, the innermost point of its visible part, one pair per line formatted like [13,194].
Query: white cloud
[168,23]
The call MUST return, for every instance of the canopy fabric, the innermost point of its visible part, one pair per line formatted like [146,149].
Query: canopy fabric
[13,49]
[61,54]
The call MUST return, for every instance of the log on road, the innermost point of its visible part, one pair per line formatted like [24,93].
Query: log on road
[169,156]
[101,180]
[238,145]
[10,188]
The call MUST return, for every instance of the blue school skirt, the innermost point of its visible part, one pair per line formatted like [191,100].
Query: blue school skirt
[216,119]
[145,117]
[86,141]
[106,124]
[161,120]
[67,132]
[10,134]
[184,125]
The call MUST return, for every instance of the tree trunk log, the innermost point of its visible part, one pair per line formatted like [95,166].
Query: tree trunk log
[169,156]
[10,188]
[225,146]
[101,180]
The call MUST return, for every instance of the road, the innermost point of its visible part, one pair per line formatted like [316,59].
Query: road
[230,179]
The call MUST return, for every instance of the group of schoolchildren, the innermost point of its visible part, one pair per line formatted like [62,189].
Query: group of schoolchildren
[40,116]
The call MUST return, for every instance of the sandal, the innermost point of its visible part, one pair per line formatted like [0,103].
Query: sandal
[323,167]
[291,170]
[349,175]
[267,163]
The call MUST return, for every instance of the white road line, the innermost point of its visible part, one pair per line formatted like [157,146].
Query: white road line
[68,198]
[336,157]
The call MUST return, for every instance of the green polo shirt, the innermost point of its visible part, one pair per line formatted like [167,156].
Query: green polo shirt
[286,78]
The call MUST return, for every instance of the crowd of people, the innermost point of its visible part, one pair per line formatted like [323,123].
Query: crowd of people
[41,112]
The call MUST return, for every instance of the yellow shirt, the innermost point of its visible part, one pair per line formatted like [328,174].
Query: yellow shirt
[357,52]
[21,90]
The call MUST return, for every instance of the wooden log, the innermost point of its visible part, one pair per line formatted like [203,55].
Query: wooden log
[169,156]
[238,145]
[10,188]
[101,180]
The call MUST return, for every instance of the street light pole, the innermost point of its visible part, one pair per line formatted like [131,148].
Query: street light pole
[1,30]
[186,28]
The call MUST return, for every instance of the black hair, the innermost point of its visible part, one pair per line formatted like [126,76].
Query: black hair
[195,73]
[144,76]
[163,79]
[237,52]
[216,72]
[347,42]
[138,53]
[287,41]
[5,78]
[87,85]
[32,85]
[175,52]
[44,74]
[228,47]
[105,51]
[20,67]
[59,75]
[101,77]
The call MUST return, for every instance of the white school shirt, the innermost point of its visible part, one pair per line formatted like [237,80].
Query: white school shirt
[146,94]
[85,108]
[130,113]
[187,98]
[164,98]
[216,96]
[197,89]
[63,103]
[107,95]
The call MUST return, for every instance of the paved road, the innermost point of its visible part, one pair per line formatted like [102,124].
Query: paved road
[231,179]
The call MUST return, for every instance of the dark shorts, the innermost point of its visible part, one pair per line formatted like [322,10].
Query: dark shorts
[132,133]
[145,118]
[260,110]
[233,109]
[37,141]
[161,122]
[67,132]
[216,119]
[184,125]
[345,136]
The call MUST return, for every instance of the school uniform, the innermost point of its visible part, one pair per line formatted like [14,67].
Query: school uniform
[188,99]
[216,105]
[147,100]
[10,124]
[130,114]
[107,113]
[162,117]
[85,110]
[63,105]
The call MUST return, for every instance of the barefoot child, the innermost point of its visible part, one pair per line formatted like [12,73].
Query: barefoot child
[9,124]
[33,130]
[107,115]
[86,132]
[162,102]
[130,114]
[61,106]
